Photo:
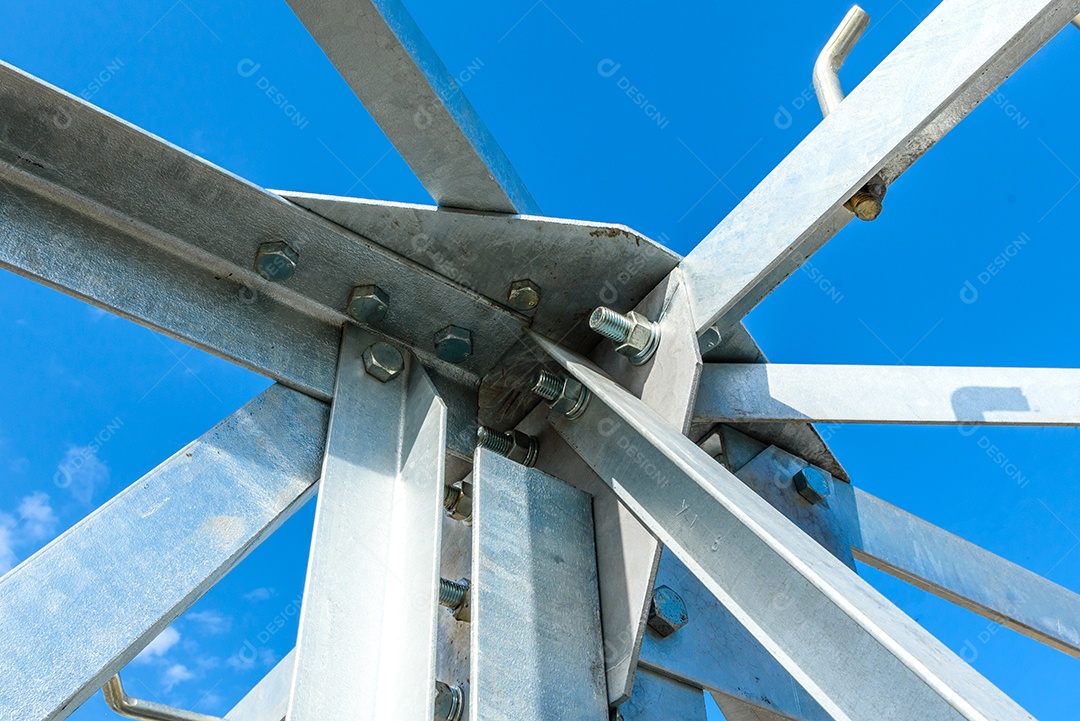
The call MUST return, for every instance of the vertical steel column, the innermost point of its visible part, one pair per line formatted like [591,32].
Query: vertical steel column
[366,647]
[537,652]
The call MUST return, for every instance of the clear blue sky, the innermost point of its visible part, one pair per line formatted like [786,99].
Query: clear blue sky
[730,84]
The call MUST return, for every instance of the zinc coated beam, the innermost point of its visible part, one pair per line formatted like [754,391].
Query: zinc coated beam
[390,66]
[951,62]
[935,560]
[80,217]
[269,700]
[366,645]
[824,624]
[717,653]
[80,609]
[537,652]
[741,393]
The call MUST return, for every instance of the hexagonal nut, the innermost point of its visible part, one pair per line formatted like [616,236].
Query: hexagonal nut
[463,502]
[643,339]
[812,484]
[668,611]
[524,295]
[383,361]
[525,448]
[368,304]
[572,400]
[448,702]
[276,260]
[453,344]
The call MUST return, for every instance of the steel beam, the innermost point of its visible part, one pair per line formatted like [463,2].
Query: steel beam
[823,623]
[391,67]
[269,700]
[82,221]
[537,652]
[366,644]
[948,566]
[740,393]
[940,72]
[78,610]
[715,652]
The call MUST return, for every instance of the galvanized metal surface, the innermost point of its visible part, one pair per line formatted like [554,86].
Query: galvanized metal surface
[943,564]
[59,198]
[389,64]
[537,652]
[269,700]
[717,653]
[659,698]
[621,265]
[820,620]
[944,68]
[888,394]
[802,439]
[78,610]
[771,475]
[366,645]
[628,553]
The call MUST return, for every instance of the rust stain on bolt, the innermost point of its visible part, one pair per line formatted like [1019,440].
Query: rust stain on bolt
[524,295]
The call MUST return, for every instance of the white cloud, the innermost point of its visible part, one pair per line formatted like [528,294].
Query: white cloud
[159,646]
[34,522]
[176,674]
[260,594]
[82,472]
[211,622]
[38,519]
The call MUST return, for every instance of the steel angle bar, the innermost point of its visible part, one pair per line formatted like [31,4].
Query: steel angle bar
[269,700]
[366,645]
[78,610]
[935,560]
[823,623]
[393,70]
[659,698]
[739,393]
[714,651]
[940,72]
[77,215]
[537,652]
[801,439]
[736,710]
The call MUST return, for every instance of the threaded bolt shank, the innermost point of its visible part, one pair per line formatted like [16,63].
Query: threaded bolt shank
[452,594]
[501,443]
[547,385]
[611,324]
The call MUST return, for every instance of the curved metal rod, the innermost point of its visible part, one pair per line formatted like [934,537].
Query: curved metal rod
[827,66]
[121,703]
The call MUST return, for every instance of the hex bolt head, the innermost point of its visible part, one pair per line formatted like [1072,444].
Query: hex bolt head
[383,361]
[634,335]
[368,304]
[524,295]
[811,484]
[453,344]
[668,611]
[448,702]
[276,260]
